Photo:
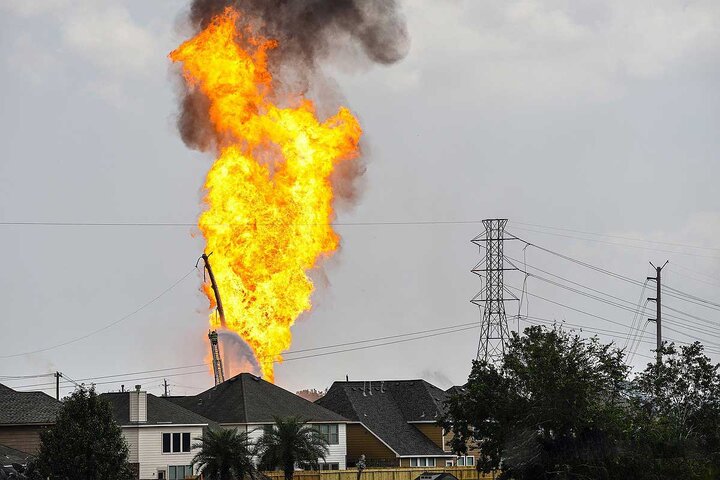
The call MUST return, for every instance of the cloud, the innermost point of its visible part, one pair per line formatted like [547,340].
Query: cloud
[529,51]
[107,36]
[94,34]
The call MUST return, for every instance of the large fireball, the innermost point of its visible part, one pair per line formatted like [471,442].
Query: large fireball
[268,193]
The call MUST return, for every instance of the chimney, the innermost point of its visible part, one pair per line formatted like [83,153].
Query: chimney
[138,405]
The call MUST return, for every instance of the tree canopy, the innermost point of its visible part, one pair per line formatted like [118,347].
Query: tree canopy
[562,407]
[85,443]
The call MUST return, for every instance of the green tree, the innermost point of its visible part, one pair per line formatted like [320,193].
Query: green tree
[291,442]
[553,408]
[224,454]
[677,416]
[85,443]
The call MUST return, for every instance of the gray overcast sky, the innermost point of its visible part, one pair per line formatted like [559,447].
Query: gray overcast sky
[593,116]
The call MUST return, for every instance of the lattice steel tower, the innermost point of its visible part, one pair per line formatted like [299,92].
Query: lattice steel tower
[494,331]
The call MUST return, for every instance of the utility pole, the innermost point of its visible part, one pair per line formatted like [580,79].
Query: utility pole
[165,384]
[57,385]
[658,308]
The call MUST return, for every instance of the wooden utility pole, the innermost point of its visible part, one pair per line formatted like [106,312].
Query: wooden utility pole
[57,385]
[165,384]
[658,309]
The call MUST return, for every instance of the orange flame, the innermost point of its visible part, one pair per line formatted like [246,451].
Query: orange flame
[269,195]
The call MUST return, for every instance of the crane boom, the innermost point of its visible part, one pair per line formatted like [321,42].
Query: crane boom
[212,335]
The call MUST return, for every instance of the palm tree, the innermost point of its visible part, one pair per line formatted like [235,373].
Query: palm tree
[225,454]
[291,441]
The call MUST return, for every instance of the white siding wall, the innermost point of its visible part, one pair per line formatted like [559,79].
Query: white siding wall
[339,451]
[151,456]
[131,437]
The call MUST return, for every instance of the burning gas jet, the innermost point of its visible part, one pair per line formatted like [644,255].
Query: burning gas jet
[269,193]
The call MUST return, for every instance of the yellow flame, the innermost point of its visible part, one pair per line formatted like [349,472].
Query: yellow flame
[269,196]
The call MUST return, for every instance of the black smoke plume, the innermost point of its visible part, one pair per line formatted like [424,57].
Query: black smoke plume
[308,31]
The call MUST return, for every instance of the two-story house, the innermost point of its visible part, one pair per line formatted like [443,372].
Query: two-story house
[392,422]
[159,434]
[23,415]
[249,403]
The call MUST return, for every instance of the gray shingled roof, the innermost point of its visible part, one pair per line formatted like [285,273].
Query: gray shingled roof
[246,398]
[389,409]
[160,411]
[8,456]
[23,408]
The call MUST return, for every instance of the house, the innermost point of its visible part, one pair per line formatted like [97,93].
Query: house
[392,423]
[158,432]
[250,404]
[23,415]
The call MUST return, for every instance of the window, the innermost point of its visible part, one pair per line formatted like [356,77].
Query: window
[448,463]
[329,466]
[329,432]
[176,442]
[179,472]
[422,462]
[466,461]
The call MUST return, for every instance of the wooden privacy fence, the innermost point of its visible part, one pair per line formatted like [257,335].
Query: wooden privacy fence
[462,473]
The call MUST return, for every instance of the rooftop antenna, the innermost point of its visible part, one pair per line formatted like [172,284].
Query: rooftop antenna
[212,335]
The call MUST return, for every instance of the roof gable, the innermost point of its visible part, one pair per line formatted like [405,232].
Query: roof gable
[387,408]
[246,398]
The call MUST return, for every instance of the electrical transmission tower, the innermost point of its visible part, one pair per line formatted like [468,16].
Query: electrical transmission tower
[494,331]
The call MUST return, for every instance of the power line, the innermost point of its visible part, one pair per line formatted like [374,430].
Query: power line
[428,334]
[112,324]
[672,244]
[581,327]
[705,303]
[604,271]
[185,224]
[619,244]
